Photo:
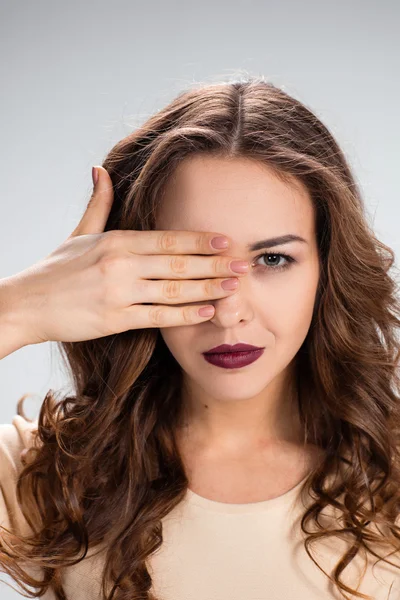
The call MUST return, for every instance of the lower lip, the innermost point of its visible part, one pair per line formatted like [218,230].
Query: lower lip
[233,360]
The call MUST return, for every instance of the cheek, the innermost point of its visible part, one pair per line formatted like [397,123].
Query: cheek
[287,307]
[178,340]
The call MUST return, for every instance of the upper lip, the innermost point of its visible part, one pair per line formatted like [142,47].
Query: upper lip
[234,348]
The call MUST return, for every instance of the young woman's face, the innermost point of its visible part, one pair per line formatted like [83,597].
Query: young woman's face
[274,303]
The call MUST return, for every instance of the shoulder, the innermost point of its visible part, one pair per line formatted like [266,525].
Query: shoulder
[14,438]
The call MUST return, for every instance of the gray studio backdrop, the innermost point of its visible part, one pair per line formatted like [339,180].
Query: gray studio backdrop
[78,76]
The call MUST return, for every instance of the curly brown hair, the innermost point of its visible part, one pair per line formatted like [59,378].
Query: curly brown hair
[106,466]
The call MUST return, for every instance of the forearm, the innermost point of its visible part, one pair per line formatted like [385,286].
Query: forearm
[12,336]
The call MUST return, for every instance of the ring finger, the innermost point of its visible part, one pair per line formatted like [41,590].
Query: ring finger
[182,291]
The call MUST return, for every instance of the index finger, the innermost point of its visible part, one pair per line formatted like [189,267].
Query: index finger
[171,241]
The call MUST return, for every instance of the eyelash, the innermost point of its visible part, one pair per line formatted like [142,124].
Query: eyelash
[289,260]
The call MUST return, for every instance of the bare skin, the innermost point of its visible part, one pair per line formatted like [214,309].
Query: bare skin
[242,440]
[264,474]
[260,471]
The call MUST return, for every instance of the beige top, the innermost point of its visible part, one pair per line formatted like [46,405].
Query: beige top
[213,550]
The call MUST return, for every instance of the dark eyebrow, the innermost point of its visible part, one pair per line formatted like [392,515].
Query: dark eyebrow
[276,241]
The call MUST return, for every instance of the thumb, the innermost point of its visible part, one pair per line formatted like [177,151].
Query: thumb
[95,217]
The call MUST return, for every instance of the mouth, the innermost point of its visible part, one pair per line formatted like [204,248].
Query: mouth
[233,360]
[225,348]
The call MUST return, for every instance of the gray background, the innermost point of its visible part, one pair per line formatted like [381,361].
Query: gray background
[78,76]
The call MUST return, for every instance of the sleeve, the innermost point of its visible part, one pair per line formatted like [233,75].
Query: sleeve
[14,438]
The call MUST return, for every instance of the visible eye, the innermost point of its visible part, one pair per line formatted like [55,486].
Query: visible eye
[273,267]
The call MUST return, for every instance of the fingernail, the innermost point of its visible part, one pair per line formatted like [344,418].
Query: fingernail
[220,242]
[206,311]
[95,175]
[240,266]
[229,284]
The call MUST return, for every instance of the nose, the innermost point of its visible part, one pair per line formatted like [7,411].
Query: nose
[235,308]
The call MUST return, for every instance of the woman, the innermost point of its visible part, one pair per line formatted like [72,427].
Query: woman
[177,470]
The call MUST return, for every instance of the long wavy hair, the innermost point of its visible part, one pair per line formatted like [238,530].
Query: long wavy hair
[105,467]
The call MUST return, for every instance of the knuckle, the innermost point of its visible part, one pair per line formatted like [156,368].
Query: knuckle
[171,289]
[220,265]
[108,262]
[167,241]
[188,316]
[109,242]
[157,316]
[210,285]
[178,264]
[104,263]
[200,242]
[114,233]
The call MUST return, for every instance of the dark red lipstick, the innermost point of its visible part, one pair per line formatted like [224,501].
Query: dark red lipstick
[233,357]
[234,348]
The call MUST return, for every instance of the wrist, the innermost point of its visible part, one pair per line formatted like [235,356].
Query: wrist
[13,335]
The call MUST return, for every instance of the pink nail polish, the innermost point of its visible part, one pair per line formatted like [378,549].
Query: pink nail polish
[219,242]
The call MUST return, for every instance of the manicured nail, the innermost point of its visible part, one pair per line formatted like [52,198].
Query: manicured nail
[220,242]
[239,266]
[206,311]
[229,284]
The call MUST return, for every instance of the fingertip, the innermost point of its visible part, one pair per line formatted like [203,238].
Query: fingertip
[95,175]
[219,242]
